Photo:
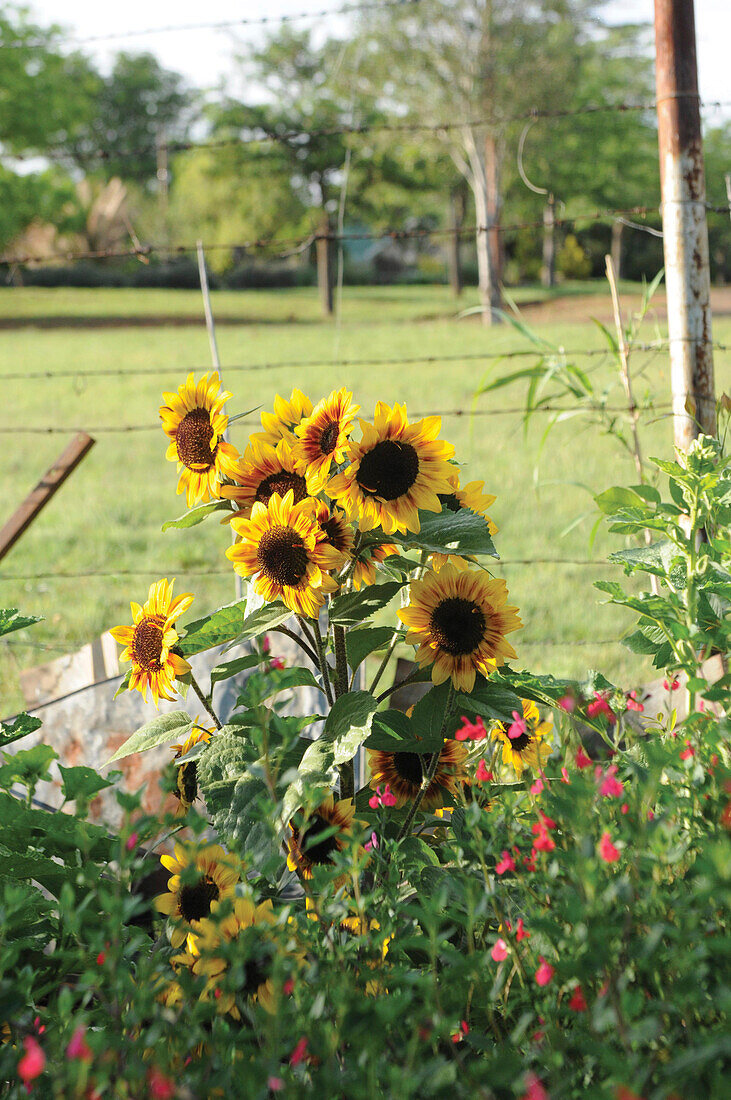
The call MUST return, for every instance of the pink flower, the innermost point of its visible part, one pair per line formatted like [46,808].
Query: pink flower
[650,815]
[567,702]
[288,987]
[607,850]
[517,727]
[266,645]
[299,1052]
[372,843]
[624,808]
[578,1001]
[530,860]
[33,1062]
[688,751]
[275,1084]
[543,842]
[499,950]
[671,686]
[161,1087]
[521,933]
[534,1089]
[582,760]
[601,706]
[633,703]
[78,1047]
[462,1030]
[131,842]
[101,958]
[507,863]
[611,786]
[545,971]
[537,787]
[382,798]
[276,663]
[565,776]
[483,774]
[471,731]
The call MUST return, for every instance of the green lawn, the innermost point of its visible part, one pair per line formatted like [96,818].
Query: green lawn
[108,516]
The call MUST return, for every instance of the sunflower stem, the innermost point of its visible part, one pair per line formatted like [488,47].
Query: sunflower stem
[341,661]
[410,679]
[389,654]
[207,703]
[322,661]
[300,642]
[431,771]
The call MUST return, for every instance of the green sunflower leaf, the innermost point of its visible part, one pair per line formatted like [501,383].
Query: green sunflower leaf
[124,685]
[526,685]
[231,624]
[11,619]
[356,607]
[174,726]
[83,783]
[462,532]
[392,732]
[18,727]
[428,716]
[348,724]
[359,643]
[232,668]
[277,679]
[197,515]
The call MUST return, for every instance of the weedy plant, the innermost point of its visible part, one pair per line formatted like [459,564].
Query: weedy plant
[506,907]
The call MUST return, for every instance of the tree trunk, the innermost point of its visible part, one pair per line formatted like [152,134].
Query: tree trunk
[616,250]
[457,210]
[494,209]
[325,267]
[489,292]
[548,270]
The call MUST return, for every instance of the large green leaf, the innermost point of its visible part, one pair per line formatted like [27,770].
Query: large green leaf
[231,623]
[359,643]
[197,515]
[232,668]
[20,726]
[276,680]
[11,619]
[356,607]
[428,717]
[391,732]
[490,700]
[83,783]
[541,689]
[446,532]
[55,833]
[164,728]
[617,499]
[28,766]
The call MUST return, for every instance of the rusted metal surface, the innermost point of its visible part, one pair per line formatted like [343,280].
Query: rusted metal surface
[685,234]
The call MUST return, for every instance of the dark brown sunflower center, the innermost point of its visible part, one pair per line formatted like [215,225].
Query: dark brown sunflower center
[147,643]
[193,439]
[457,625]
[519,743]
[282,556]
[281,483]
[333,528]
[187,783]
[329,437]
[314,849]
[389,470]
[409,766]
[449,501]
[195,901]
[257,969]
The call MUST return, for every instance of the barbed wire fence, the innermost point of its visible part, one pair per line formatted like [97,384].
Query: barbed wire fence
[273,248]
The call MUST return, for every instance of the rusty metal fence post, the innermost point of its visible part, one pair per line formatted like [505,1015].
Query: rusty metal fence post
[685,234]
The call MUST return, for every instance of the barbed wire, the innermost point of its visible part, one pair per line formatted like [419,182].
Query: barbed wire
[180,570]
[225,24]
[303,364]
[264,135]
[294,246]
[96,429]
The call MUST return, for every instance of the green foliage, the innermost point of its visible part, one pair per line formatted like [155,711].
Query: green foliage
[158,731]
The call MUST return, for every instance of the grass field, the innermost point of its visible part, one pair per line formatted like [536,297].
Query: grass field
[107,518]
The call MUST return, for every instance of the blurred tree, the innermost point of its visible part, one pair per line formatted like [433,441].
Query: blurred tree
[480,62]
[138,108]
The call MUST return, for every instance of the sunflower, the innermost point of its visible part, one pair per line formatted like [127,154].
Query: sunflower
[194,894]
[286,416]
[365,568]
[149,641]
[258,984]
[194,419]
[472,497]
[306,851]
[459,620]
[285,546]
[334,522]
[528,749]
[323,436]
[186,780]
[396,469]
[264,470]
[404,771]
